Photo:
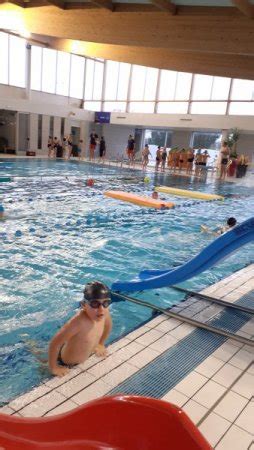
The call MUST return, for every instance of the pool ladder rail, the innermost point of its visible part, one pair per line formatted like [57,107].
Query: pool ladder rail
[190,321]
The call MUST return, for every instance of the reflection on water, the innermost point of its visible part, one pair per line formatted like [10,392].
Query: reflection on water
[66,234]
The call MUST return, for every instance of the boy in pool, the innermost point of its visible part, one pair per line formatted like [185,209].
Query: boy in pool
[85,333]
[231,223]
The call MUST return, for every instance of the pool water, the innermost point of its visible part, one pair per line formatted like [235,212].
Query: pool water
[60,234]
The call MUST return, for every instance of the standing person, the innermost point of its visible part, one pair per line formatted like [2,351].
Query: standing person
[181,159]
[50,146]
[92,145]
[145,156]
[85,333]
[198,159]
[70,145]
[203,161]
[65,147]
[163,159]
[55,146]
[130,149]
[102,148]
[224,155]
[190,159]
[158,158]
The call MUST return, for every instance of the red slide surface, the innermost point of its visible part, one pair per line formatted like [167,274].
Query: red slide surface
[118,422]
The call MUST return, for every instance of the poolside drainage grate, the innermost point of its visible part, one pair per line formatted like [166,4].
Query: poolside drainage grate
[168,369]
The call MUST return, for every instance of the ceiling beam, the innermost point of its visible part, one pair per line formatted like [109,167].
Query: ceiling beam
[165,5]
[234,66]
[57,3]
[245,7]
[14,2]
[231,32]
[104,4]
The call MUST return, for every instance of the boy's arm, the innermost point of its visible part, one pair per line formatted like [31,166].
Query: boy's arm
[56,343]
[100,350]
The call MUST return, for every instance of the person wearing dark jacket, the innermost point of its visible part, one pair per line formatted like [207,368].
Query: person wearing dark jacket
[102,147]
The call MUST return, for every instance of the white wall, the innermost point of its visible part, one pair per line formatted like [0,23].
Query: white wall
[45,134]
[193,122]
[116,137]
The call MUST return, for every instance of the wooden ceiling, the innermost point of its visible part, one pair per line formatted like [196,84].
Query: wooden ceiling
[183,35]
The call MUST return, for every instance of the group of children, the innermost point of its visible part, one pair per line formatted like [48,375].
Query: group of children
[63,148]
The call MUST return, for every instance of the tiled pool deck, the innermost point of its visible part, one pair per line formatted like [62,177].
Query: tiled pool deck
[217,394]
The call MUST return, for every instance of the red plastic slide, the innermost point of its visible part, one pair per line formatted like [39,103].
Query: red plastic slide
[119,423]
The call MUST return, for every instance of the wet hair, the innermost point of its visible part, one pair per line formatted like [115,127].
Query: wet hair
[231,222]
[146,145]
[95,290]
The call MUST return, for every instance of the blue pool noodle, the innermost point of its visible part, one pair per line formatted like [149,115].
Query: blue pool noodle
[221,247]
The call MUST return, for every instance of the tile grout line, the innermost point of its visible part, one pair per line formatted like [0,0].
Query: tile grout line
[223,395]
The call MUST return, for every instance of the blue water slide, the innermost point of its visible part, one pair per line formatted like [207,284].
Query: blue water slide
[221,247]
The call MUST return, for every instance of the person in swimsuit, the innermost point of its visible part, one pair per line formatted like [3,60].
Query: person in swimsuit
[84,333]
[92,145]
[145,156]
[131,149]
[231,223]
[163,159]
[158,158]
[224,154]
[190,159]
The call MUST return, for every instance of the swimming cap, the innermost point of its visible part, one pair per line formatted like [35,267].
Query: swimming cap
[96,291]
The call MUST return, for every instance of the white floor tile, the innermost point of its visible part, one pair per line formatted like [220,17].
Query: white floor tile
[57,381]
[136,333]
[182,331]
[163,343]
[245,386]
[213,428]
[65,407]
[235,439]
[129,350]
[246,419]
[143,358]
[97,389]
[106,365]
[227,375]
[210,366]
[147,338]
[6,410]
[191,384]
[117,345]
[41,406]
[209,394]
[194,410]
[242,359]
[119,374]
[23,400]
[225,351]
[76,384]
[231,406]
[154,322]
[168,325]
[175,397]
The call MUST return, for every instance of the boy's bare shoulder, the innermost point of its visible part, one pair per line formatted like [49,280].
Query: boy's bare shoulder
[74,322]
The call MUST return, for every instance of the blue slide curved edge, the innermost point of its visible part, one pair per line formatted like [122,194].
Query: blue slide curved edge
[221,247]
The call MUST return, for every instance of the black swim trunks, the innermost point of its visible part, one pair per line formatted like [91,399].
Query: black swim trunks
[60,362]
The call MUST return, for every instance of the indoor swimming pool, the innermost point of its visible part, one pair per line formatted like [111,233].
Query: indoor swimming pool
[58,234]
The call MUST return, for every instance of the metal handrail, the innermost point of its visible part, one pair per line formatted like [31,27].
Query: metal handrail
[193,322]
[214,300]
